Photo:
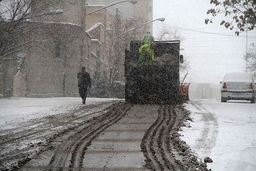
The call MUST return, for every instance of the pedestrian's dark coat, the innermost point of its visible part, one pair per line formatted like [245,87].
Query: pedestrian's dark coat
[84,80]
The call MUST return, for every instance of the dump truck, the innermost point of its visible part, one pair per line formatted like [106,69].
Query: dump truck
[157,82]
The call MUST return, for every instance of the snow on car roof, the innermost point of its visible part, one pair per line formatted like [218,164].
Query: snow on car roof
[238,77]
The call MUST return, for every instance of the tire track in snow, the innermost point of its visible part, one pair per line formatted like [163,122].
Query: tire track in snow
[156,144]
[43,125]
[77,144]
[210,131]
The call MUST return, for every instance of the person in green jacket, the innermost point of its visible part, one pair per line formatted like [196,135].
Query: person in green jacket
[146,54]
[146,51]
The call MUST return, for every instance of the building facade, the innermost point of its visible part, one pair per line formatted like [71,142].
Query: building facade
[61,45]
[142,11]
[58,48]
[49,67]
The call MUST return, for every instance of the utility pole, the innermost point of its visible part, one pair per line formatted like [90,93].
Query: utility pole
[117,45]
[114,51]
[246,44]
[246,51]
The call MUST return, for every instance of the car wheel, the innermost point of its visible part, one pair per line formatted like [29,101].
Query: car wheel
[223,99]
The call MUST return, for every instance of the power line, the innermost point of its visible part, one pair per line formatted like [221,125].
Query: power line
[206,32]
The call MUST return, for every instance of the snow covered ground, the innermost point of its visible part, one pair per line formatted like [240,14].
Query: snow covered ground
[226,132]
[16,110]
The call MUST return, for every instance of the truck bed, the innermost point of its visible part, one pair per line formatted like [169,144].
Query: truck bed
[152,84]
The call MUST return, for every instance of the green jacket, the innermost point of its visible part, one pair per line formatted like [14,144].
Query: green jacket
[148,39]
[146,54]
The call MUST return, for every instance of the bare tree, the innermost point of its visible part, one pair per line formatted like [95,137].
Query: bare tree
[14,13]
[13,25]
[118,42]
[167,33]
[240,14]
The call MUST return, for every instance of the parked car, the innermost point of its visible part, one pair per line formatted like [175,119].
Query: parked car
[238,86]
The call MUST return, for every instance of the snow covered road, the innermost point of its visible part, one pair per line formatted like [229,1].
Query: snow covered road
[226,132]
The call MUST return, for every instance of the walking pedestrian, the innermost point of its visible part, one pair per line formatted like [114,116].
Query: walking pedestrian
[84,81]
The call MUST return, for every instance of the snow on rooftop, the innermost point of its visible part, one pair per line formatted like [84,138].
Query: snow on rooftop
[53,22]
[88,5]
[96,40]
[94,27]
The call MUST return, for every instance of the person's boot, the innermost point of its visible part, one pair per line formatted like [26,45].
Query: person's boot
[83,101]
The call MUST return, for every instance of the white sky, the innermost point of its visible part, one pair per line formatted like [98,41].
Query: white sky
[210,56]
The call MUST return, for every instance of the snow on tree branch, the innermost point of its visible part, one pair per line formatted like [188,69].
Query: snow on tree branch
[13,17]
[240,15]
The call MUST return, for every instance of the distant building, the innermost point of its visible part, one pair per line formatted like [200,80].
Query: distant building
[142,11]
[204,91]
[100,68]
[131,16]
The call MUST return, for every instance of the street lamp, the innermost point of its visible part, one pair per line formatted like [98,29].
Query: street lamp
[130,1]
[158,19]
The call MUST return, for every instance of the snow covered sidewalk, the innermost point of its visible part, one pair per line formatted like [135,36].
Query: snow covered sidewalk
[226,132]
[16,110]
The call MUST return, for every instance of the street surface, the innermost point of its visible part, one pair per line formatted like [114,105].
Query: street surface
[226,132]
